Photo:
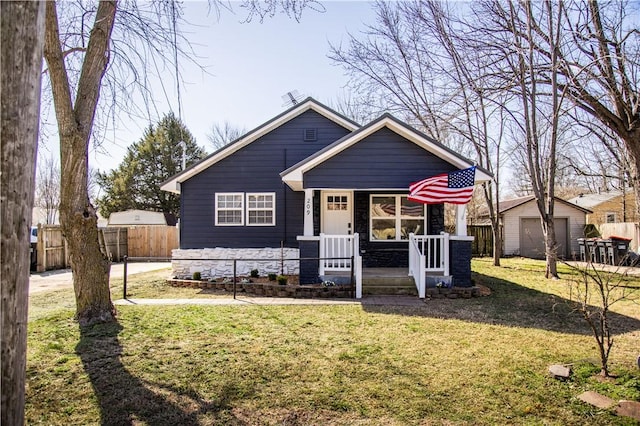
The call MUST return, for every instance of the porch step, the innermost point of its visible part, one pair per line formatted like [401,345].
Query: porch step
[389,286]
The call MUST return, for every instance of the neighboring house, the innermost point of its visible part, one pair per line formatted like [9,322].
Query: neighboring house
[305,183]
[140,217]
[522,229]
[608,207]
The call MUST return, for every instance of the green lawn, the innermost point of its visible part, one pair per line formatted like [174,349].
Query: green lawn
[462,361]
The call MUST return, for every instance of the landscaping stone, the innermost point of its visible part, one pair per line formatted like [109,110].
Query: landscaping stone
[629,409]
[597,400]
[560,372]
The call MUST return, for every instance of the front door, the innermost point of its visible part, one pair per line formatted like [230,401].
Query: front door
[337,213]
[337,222]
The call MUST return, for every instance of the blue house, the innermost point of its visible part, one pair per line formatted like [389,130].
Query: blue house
[314,186]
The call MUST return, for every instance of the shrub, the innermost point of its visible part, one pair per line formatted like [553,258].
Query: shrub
[255,273]
[272,277]
[282,279]
[197,276]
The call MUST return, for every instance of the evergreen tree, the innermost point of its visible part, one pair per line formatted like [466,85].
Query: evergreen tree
[135,184]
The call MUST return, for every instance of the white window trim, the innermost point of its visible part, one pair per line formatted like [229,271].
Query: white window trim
[273,209]
[241,208]
[606,217]
[398,218]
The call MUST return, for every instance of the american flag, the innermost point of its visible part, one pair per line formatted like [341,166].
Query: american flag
[455,188]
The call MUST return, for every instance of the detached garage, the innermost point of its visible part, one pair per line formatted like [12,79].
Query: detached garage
[522,230]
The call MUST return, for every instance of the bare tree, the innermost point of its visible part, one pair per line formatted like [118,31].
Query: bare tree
[599,159]
[418,61]
[75,117]
[392,65]
[600,68]
[362,108]
[540,131]
[592,294]
[47,195]
[106,54]
[222,134]
[22,35]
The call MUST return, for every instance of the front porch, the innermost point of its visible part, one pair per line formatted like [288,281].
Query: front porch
[434,261]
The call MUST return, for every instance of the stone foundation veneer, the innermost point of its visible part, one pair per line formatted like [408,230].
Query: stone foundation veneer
[218,262]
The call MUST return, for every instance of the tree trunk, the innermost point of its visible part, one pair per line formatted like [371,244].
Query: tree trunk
[632,142]
[75,120]
[550,247]
[22,35]
[79,222]
[497,243]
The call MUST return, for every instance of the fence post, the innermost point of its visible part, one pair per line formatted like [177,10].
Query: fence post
[234,278]
[124,289]
[118,245]
[41,264]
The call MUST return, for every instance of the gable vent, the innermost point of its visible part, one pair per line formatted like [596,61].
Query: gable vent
[310,135]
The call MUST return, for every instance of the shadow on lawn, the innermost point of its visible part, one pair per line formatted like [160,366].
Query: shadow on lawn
[512,305]
[126,399]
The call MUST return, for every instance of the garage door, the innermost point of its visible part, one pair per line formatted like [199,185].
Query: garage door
[532,240]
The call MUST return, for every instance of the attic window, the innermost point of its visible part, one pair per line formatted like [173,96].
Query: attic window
[310,135]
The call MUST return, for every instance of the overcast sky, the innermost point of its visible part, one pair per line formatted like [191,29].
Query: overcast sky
[250,67]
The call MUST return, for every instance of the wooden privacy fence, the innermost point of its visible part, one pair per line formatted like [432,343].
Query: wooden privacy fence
[630,230]
[113,242]
[154,241]
[51,249]
[53,253]
[483,240]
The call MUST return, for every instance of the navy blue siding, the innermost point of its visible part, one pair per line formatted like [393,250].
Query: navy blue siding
[254,168]
[460,262]
[382,160]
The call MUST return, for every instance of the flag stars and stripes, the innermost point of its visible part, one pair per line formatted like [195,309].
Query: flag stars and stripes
[455,188]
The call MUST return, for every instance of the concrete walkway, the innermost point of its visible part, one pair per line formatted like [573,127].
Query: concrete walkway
[265,301]
[54,280]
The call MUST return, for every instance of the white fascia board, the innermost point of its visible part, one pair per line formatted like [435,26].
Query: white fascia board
[294,177]
[173,185]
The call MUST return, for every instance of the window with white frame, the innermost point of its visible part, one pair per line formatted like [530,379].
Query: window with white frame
[230,209]
[261,209]
[394,217]
[610,217]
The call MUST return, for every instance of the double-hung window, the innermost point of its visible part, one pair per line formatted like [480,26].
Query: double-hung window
[230,209]
[251,209]
[261,209]
[394,217]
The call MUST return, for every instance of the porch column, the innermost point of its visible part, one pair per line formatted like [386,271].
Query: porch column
[308,212]
[461,220]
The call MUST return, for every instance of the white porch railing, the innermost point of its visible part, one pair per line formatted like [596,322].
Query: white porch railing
[427,253]
[336,252]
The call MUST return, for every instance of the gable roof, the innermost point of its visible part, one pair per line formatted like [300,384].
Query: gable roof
[293,176]
[506,205]
[592,200]
[512,203]
[173,183]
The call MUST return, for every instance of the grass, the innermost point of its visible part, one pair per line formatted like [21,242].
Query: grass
[472,361]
